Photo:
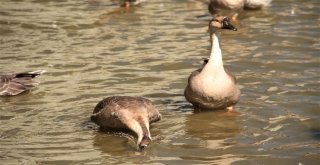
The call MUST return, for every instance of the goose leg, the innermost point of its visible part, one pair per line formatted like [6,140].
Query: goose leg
[234,17]
[230,109]
[196,108]
[126,5]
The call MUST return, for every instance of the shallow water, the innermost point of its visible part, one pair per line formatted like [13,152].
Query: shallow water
[91,50]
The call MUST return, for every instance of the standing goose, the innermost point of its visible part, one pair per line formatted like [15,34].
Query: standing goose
[127,113]
[14,84]
[211,87]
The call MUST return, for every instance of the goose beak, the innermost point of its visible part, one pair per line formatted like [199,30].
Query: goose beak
[142,147]
[227,25]
[144,143]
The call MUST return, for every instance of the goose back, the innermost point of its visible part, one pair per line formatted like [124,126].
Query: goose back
[110,111]
[127,113]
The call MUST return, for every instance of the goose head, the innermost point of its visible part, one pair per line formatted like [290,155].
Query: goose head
[215,60]
[145,141]
[221,22]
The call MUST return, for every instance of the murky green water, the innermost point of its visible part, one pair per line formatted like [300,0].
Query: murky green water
[92,50]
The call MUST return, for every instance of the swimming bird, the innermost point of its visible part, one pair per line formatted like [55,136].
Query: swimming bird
[127,113]
[14,84]
[212,87]
[215,5]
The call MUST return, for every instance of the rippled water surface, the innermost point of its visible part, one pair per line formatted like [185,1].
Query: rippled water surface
[92,49]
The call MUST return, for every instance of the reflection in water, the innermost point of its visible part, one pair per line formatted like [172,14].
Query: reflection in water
[215,125]
[120,147]
[114,144]
[213,128]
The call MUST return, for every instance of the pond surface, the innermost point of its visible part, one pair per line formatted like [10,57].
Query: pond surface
[92,49]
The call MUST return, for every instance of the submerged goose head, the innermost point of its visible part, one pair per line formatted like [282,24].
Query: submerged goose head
[144,142]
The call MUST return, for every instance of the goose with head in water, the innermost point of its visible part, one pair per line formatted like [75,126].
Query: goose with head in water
[14,84]
[211,87]
[127,113]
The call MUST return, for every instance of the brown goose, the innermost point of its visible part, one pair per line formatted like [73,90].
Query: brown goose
[211,87]
[14,84]
[127,113]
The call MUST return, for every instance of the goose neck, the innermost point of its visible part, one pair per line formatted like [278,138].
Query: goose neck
[215,60]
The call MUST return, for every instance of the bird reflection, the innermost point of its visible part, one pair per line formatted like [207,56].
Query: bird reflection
[213,128]
[112,143]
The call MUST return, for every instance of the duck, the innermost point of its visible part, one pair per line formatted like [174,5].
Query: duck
[127,113]
[215,5]
[212,87]
[16,83]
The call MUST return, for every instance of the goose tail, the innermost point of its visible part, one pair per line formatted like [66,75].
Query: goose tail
[15,84]
[32,74]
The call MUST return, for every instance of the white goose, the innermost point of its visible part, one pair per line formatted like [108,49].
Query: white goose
[216,5]
[129,3]
[211,87]
[127,113]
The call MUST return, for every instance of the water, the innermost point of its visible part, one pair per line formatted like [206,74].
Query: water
[91,50]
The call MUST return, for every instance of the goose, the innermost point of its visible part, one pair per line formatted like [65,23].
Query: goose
[256,4]
[128,3]
[215,5]
[212,87]
[127,113]
[14,84]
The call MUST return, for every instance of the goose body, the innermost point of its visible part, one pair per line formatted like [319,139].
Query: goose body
[215,5]
[14,84]
[127,113]
[227,4]
[256,4]
[128,3]
[211,87]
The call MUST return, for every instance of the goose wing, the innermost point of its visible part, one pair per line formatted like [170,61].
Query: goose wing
[231,75]
[14,84]
[153,113]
